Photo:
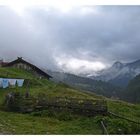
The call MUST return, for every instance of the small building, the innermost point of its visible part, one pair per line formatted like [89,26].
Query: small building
[22,64]
[2,63]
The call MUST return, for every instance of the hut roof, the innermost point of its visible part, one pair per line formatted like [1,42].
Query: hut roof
[35,68]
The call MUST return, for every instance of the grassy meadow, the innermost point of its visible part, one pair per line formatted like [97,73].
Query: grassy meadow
[47,123]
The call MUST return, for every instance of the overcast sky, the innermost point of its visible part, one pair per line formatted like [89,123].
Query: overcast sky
[73,39]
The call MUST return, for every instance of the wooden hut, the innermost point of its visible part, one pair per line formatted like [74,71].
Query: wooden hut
[20,63]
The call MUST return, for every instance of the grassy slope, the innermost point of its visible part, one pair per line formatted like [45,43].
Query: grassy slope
[14,123]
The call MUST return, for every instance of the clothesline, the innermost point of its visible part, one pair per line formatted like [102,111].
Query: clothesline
[8,82]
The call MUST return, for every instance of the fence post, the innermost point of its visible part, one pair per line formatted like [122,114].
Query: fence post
[104,128]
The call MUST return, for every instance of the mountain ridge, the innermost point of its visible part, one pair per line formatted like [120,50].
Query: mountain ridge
[119,72]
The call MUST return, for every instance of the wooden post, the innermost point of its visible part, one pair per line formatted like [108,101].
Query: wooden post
[27,90]
[104,128]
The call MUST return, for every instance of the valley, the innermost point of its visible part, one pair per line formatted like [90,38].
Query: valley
[114,82]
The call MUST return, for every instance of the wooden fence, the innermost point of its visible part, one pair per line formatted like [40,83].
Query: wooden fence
[80,106]
[123,117]
[87,107]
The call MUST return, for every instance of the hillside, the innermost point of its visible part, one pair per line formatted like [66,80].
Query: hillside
[87,84]
[44,122]
[132,91]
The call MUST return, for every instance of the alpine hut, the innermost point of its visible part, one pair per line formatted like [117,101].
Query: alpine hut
[20,63]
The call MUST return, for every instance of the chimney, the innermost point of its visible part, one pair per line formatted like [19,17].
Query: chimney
[19,57]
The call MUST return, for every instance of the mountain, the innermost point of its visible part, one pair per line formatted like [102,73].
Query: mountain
[119,73]
[132,91]
[87,84]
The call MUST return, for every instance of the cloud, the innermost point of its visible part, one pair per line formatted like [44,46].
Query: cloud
[78,66]
[85,38]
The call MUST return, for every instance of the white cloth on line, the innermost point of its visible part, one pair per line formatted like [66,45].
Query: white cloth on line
[12,82]
[20,82]
[5,83]
[1,82]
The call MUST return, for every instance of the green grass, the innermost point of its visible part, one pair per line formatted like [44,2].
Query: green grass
[13,123]
[128,110]
[62,123]
[15,73]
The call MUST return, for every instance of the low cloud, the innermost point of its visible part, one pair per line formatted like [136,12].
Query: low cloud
[78,66]
[81,39]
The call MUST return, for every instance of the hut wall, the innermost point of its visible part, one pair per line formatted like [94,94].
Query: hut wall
[22,66]
[26,67]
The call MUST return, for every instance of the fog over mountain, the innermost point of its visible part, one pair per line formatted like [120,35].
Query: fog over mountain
[79,40]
